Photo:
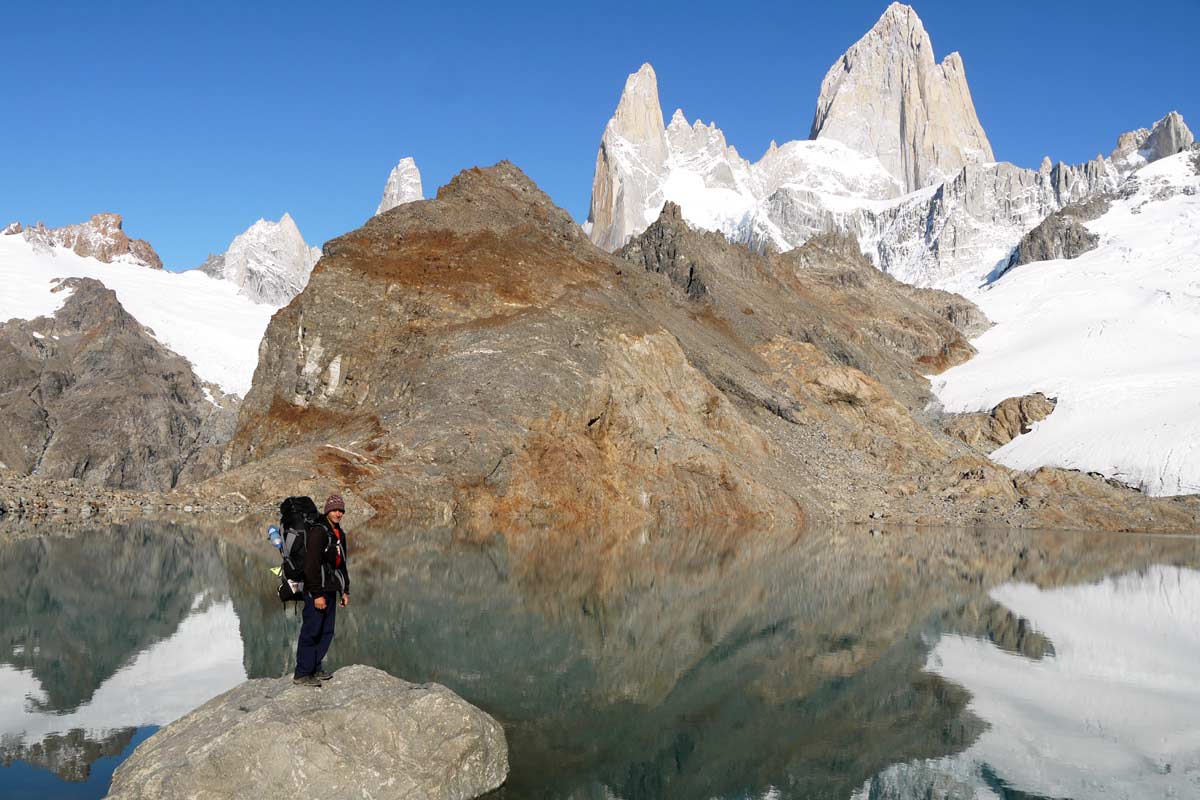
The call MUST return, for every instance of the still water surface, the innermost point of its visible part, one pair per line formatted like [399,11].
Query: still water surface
[698,664]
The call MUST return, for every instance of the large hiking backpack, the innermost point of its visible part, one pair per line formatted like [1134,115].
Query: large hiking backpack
[296,514]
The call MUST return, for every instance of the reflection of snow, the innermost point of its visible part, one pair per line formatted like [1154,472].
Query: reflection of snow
[1112,714]
[170,678]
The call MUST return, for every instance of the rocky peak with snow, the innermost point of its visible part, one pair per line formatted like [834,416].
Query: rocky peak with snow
[101,238]
[641,165]
[630,164]
[403,185]
[958,230]
[1170,135]
[269,262]
[887,97]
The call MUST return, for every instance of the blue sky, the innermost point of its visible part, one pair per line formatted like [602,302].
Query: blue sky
[195,120]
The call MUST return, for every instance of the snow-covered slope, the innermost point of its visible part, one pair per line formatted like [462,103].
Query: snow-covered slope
[269,262]
[1110,714]
[206,321]
[1113,334]
[403,185]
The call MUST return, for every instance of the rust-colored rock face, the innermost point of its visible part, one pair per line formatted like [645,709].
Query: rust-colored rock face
[475,359]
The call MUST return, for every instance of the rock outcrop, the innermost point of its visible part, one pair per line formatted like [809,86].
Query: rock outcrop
[887,97]
[475,360]
[90,394]
[487,310]
[403,186]
[1002,424]
[102,238]
[269,262]
[1168,136]
[1060,235]
[363,734]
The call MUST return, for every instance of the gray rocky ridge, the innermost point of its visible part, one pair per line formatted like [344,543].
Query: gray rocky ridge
[403,185]
[269,262]
[888,98]
[362,734]
[89,394]
[1060,235]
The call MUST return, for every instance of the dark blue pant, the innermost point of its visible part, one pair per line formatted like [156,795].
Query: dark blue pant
[316,634]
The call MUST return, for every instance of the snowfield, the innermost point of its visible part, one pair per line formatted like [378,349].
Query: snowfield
[203,319]
[1114,335]
[1110,714]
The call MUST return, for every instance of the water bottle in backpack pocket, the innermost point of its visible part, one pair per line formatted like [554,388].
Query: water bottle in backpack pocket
[296,514]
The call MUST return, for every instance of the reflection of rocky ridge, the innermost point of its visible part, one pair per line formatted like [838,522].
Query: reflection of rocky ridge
[70,755]
[81,607]
[1112,706]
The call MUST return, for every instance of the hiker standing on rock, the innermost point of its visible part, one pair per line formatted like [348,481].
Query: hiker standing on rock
[325,579]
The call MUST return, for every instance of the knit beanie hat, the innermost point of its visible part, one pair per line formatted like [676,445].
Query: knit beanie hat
[335,503]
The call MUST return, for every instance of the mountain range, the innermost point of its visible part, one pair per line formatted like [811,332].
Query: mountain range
[849,325]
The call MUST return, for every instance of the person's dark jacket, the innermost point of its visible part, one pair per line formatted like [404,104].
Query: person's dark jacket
[321,576]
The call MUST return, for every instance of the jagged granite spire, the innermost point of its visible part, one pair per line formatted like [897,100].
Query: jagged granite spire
[888,98]
[269,262]
[629,165]
[403,185]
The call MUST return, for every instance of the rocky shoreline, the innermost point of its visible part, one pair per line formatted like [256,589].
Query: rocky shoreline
[38,500]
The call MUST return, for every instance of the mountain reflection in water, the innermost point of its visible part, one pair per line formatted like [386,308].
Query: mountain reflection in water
[699,663]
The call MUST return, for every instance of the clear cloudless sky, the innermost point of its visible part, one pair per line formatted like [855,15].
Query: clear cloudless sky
[193,120]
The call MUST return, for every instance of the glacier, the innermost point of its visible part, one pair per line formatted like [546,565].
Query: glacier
[1114,335]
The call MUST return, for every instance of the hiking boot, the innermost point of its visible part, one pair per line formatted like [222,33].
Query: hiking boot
[323,675]
[306,680]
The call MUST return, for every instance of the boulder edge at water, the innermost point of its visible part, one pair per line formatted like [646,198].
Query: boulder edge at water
[363,734]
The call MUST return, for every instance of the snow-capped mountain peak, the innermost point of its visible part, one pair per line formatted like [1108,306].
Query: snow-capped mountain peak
[269,262]
[403,185]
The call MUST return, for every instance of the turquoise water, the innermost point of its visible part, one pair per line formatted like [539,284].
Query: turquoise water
[690,664]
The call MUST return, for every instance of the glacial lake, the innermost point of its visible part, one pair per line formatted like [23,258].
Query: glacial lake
[669,664]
